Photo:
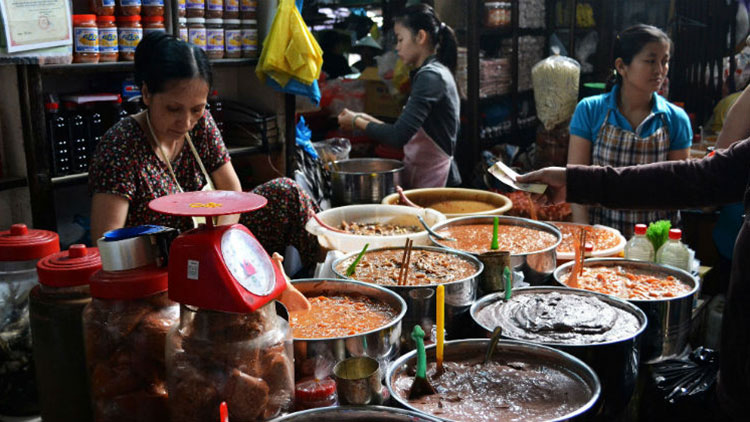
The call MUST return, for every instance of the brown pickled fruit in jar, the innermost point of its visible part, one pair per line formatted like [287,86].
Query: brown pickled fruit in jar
[195,8]
[102,7]
[152,8]
[128,7]
[214,9]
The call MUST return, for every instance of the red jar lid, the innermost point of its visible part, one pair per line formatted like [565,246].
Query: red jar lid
[70,268]
[129,284]
[21,244]
[83,18]
[314,389]
[105,18]
[134,18]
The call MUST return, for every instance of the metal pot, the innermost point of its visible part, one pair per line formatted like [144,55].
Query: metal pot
[668,319]
[461,349]
[456,202]
[616,363]
[364,180]
[356,414]
[536,266]
[381,344]
[459,295]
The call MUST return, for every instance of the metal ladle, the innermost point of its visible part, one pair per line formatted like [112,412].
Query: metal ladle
[433,232]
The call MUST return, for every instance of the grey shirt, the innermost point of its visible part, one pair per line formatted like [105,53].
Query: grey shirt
[434,106]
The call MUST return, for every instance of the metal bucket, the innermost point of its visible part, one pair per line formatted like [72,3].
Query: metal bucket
[669,319]
[536,266]
[459,296]
[616,363]
[381,344]
[364,180]
[356,414]
[461,349]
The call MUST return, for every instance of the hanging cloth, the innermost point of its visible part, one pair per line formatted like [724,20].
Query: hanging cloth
[291,58]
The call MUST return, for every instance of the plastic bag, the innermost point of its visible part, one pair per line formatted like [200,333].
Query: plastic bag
[333,149]
[688,378]
[585,48]
[555,81]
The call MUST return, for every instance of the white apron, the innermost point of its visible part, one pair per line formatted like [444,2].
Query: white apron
[426,165]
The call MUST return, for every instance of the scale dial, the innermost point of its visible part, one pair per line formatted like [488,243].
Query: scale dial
[248,262]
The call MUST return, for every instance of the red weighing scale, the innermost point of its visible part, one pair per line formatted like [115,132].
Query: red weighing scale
[223,268]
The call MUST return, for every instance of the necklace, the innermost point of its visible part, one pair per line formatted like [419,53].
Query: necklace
[165,157]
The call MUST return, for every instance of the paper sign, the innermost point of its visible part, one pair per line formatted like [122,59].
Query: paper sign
[33,24]
[506,175]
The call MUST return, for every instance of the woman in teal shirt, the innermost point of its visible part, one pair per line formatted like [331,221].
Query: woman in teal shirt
[631,124]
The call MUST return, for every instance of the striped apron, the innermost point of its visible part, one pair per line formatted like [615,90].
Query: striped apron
[617,147]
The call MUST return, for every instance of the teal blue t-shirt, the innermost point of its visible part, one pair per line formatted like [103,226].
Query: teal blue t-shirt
[591,111]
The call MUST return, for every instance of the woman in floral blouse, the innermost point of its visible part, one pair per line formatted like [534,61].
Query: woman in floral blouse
[160,151]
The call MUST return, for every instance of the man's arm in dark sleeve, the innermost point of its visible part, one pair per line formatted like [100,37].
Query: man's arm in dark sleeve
[426,91]
[719,179]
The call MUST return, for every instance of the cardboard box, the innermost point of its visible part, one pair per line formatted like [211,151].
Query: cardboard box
[378,100]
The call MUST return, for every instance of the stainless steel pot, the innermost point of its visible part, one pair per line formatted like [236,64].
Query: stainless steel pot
[536,266]
[462,349]
[364,180]
[459,295]
[616,363]
[381,344]
[356,414]
[668,319]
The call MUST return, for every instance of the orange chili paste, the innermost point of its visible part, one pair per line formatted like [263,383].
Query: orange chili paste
[616,281]
[477,238]
[601,238]
[339,316]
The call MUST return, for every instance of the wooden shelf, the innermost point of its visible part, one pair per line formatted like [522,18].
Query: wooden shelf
[12,182]
[128,66]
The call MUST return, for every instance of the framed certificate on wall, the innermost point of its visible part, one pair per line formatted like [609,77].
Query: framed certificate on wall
[33,24]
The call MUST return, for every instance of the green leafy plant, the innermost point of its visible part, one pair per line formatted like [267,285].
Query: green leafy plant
[658,233]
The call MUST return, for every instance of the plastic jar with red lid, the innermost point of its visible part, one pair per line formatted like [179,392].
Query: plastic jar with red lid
[195,8]
[153,24]
[107,38]
[215,38]
[232,39]
[311,393]
[129,34]
[128,7]
[103,7]
[55,313]
[197,32]
[152,8]
[86,36]
[214,9]
[231,9]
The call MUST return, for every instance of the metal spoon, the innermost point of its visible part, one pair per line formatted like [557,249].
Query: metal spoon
[433,232]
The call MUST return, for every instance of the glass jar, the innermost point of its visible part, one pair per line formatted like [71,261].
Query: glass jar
[311,393]
[243,359]
[214,9]
[250,38]
[20,249]
[231,9]
[107,38]
[102,7]
[248,9]
[152,8]
[195,8]
[153,24]
[125,329]
[215,38]
[232,39]
[494,14]
[181,8]
[507,14]
[182,30]
[129,34]
[86,36]
[55,312]
[128,7]
[197,32]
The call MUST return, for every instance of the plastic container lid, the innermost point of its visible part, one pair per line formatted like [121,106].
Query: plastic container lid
[196,20]
[214,21]
[51,106]
[83,18]
[129,284]
[640,229]
[70,268]
[182,20]
[314,389]
[134,18]
[494,4]
[21,244]
[249,21]
[232,21]
[105,18]
[675,234]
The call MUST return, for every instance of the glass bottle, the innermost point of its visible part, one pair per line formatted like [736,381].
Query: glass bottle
[639,247]
[674,252]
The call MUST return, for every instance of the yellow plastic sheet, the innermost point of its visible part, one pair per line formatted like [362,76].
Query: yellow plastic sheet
[289,51]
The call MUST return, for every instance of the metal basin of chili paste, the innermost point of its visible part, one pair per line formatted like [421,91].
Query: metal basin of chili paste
[560,318]
[477,238]
[510,388]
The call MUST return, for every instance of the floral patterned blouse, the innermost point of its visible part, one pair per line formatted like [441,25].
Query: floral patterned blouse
[126,165]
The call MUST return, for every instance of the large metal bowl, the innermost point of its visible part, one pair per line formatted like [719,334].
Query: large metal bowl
[669,319]
[536,266]
[615,362]
[356,414]
[459,295]
[461,349]
[381,344]
[364,180]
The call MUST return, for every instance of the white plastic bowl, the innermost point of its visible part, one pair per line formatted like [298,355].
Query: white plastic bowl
[601,253]
[372,213]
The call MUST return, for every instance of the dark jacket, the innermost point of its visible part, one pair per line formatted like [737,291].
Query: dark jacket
[721,179]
